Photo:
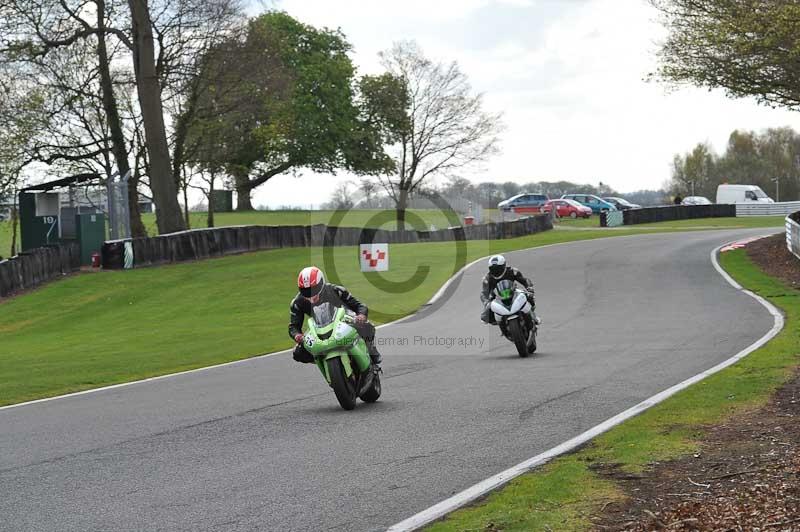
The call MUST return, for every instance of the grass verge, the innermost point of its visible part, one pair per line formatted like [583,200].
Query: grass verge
[567,491]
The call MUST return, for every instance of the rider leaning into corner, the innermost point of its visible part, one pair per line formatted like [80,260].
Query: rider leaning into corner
[315,291]
[498,271]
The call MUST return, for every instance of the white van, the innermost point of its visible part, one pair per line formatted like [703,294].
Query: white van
[741,194]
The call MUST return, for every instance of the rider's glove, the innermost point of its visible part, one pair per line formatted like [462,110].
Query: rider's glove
[298,338]
[360,318]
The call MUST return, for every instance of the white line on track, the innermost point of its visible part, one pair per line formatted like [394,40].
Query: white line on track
[482,488]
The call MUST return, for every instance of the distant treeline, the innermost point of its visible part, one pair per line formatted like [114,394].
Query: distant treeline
[750,158]
[487,194]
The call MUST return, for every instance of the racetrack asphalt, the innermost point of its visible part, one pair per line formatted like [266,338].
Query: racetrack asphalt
[263,445]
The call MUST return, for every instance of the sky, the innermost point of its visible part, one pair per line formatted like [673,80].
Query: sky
[568,76]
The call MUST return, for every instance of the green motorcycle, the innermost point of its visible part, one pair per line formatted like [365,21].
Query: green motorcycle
[341,355]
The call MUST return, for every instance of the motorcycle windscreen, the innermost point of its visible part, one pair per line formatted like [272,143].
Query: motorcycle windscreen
[324,314]
[505,290]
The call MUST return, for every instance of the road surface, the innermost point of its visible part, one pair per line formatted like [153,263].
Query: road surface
[263,445]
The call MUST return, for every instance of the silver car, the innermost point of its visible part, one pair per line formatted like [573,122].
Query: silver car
[696,200]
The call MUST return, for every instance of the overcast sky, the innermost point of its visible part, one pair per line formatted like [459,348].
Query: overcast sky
[566,74]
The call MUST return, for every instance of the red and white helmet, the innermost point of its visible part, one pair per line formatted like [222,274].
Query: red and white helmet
[310,282]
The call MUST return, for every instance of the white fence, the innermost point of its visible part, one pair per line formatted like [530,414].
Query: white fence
[767,209]
[793,236]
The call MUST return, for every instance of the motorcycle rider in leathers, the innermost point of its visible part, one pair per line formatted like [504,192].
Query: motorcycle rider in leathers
[313,290]
[498,271]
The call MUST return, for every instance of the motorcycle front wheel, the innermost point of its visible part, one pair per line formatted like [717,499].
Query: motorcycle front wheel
[518,337]
[343,387]
[374,392]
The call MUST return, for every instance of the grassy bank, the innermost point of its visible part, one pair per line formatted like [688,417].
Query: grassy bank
[563,494]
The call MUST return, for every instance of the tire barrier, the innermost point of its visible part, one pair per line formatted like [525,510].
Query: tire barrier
[611,219]
[32,268]
[793,233]
[197,244]
[676,212]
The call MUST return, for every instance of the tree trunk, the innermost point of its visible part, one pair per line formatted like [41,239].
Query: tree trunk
[243,190]
[165,191]
[14,218]
[138,229]
[402,203]
[186,204]
[118,142]
[210,219]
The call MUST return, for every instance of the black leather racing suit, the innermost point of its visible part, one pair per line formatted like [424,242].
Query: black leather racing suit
[490,282]
[337,296]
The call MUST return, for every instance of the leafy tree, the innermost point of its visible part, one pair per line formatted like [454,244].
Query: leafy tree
[696,172]
[747,47]
[287,100]
[749,158]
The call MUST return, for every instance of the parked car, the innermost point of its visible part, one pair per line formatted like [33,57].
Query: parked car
[524,203]
[741,194]
[696,200]
[597,205]
[567,208]
[622,204]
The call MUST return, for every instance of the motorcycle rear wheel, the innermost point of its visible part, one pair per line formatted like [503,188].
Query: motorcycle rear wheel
[518,337]
[343,387]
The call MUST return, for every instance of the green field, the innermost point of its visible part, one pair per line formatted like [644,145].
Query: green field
[563,494]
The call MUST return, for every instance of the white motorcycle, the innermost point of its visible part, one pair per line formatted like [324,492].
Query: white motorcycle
[513,313]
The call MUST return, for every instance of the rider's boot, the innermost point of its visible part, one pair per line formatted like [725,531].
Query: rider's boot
[373,353]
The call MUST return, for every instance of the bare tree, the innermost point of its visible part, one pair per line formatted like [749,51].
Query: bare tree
[368,188]
[342,197]
[447,128]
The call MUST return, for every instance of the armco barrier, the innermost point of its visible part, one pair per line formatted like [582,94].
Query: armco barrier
[216,242]
[676,212]
[793,233]
[32,268]
[767,209]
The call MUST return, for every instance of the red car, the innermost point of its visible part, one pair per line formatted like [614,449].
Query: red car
[567,207]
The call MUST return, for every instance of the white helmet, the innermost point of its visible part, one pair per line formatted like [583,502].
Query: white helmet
[497,266]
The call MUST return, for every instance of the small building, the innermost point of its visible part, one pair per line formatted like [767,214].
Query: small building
[54,212]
